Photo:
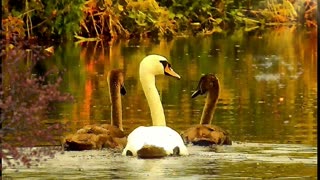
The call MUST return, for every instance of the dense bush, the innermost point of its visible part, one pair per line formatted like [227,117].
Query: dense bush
[92,20]
[45,19]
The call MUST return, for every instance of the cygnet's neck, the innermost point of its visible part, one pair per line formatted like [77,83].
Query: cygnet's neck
[209,107]
[116,108]
[148,84]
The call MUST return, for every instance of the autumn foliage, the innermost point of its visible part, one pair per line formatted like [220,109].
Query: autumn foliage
[26,100]
[92,20]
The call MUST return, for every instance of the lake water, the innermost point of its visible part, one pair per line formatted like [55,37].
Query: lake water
[268,102]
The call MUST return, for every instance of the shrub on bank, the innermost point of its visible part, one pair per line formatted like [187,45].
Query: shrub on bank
[92,20]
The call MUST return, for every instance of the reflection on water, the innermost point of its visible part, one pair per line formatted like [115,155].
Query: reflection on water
[268,102]
[241,160]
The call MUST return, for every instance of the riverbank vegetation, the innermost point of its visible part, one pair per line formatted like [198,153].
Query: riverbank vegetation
[29,91]
[91,20]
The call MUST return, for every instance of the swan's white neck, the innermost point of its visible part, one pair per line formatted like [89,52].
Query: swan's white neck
[149,87]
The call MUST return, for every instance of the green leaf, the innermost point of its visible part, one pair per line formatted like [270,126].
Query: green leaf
[239,14]
[120,7]
[179,15]
[218,20]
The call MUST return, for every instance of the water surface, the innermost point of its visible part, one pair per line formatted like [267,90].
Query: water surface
[268,102]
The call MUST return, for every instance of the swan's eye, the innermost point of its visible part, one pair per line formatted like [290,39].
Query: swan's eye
[165,64]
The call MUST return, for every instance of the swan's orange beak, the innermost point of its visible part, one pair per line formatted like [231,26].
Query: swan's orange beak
[169,71]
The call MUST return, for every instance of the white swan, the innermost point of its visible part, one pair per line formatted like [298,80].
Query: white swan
[157,140]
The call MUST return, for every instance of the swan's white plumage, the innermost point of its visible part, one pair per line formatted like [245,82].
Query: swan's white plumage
[158,135]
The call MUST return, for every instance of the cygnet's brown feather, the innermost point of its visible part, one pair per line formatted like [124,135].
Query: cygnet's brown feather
[205,134]
[105,135]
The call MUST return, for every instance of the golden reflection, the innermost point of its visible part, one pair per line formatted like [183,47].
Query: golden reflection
[268,84]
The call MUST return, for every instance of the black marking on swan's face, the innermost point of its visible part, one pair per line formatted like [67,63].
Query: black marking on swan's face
[168,70]
[206,82]
[165,65]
